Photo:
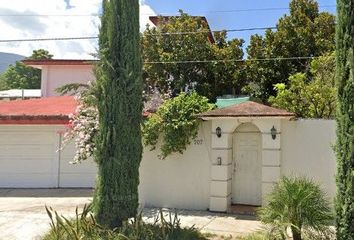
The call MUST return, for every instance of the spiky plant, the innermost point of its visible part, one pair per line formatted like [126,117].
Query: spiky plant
[298,204]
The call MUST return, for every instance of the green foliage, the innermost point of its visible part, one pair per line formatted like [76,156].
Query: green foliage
[119,102]
[84,226]
[345,120]
[297,204]
[261,235]
[2,82]
[176,123]
[208,79]
[309,99]
[268,234]
[40,54]
[305,32]
[20,76]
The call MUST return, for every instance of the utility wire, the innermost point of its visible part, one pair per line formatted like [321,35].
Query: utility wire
[207,12]
[231,60]
[148,34]
[262,9]
[45,39]
[209,31]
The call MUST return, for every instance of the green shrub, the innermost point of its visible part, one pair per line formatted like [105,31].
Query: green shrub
[297,204]
[175,121]
[84,226]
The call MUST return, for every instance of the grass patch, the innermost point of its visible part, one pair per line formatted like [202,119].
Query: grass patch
[257,236]
[84,226]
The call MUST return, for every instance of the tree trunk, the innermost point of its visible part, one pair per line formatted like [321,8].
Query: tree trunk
[345,120]
[296,233]
[119,82]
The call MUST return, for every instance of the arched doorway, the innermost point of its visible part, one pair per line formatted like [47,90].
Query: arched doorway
[247,165]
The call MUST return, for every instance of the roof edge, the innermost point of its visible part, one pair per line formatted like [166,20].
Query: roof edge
[206,118]
[31,118]
[62,62]
[34,121]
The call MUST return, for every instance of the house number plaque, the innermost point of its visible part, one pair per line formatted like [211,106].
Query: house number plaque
[198,141]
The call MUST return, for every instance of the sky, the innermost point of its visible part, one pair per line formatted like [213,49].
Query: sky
[19,19]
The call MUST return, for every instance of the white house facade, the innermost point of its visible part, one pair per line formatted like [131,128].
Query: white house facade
[240,152]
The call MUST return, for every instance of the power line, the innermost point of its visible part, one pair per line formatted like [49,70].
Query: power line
[45,39]
[209,31]
[50,15]
[262,9]
[231,60]
[148,34]
[163,14]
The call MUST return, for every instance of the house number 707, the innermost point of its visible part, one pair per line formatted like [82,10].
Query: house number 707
[198,141]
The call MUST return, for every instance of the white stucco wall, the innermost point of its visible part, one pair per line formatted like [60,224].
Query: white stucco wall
[307,151]
[179,181]
[57,76]
[29,158]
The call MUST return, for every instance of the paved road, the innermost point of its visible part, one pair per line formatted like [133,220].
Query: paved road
[23,216]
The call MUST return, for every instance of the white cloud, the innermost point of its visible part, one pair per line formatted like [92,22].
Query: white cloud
[23,27]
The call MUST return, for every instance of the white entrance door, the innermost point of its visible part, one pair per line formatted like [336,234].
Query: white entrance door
[247,176]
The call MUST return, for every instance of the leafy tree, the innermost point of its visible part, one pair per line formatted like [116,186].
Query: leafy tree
[345,119]
[305,32]
[119,83]
[299,205]
[176,123]
[208,79]
[228,77]
[311,95]
[2,82]
[20,76]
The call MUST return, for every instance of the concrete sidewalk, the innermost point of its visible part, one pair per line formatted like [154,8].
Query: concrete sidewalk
[23,216]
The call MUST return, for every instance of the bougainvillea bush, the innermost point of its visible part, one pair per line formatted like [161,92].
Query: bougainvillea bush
[82,129]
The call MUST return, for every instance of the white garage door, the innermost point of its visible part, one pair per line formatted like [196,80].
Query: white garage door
[28,157]
[75,175]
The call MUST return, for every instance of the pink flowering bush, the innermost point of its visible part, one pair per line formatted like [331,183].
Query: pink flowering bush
[82,128]
[83,124]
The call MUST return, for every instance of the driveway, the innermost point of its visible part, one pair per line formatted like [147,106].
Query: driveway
[23,216]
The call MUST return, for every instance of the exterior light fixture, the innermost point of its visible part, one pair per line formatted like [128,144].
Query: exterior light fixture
[219,161]
[218,132]
[273,132]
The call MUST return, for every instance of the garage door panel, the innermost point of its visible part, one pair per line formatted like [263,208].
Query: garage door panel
[87,166]
[26,150]
[77,180]
[23,138]
[76,175]
[27,181]
[28,159]
[35,166]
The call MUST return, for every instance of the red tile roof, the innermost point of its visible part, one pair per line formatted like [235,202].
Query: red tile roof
[44,111]
[51,110]
[247,109]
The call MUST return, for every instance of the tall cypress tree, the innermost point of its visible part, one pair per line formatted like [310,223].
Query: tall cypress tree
[119,80]
[345,120]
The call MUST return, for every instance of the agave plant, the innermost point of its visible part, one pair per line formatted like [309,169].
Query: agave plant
[297,204]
